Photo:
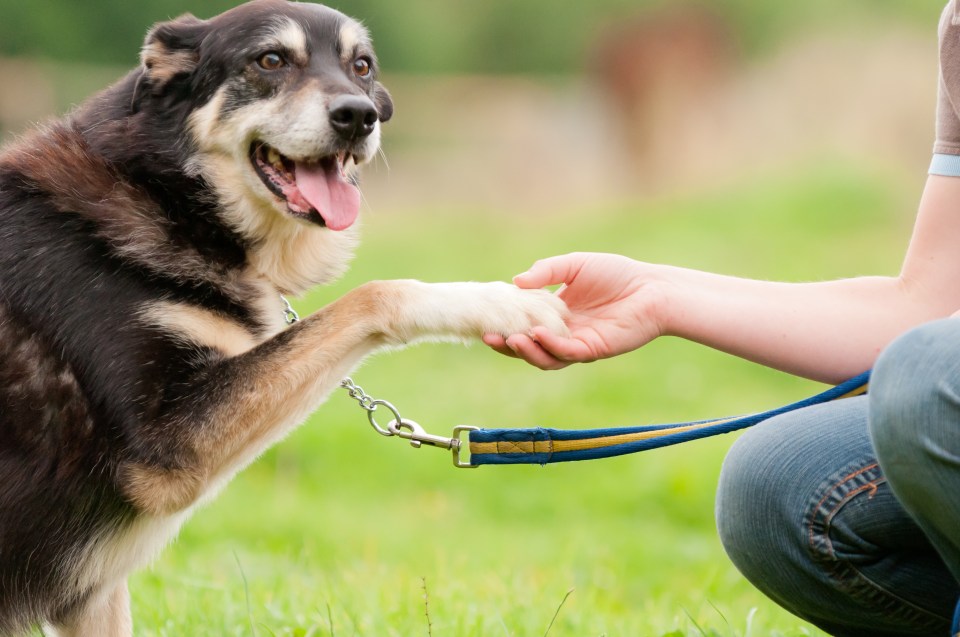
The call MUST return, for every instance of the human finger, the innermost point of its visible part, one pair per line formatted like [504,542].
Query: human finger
[550,271]
[570,350]
[498,343]
[529,350]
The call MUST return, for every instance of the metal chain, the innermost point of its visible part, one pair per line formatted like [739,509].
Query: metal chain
[356,392]
[370,404]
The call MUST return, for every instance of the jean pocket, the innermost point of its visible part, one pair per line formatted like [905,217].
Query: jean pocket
[860,490]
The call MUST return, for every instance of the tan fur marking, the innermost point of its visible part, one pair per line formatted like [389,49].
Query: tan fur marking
[203,121]
[163,64]
[289,36]
[161,492]
[353,35]
[192,324]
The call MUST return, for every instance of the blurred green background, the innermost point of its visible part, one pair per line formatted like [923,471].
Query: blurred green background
[781,140]
[417,36]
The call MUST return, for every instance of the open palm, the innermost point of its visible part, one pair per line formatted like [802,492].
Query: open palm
[612,310]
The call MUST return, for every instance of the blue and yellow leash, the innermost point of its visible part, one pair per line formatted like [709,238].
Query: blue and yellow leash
[544,446]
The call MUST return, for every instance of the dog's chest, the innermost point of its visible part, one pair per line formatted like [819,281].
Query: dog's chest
[110,556]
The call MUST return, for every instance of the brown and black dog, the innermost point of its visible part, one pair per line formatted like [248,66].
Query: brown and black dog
[145,242]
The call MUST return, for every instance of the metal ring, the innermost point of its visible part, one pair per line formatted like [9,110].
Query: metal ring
[373,421]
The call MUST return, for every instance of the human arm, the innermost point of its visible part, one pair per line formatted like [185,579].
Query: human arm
[825,330]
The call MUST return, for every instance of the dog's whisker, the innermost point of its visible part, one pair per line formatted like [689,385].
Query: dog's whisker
[383,155]
[366,202]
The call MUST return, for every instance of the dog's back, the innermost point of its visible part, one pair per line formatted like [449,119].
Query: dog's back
[43,456]
[74,371]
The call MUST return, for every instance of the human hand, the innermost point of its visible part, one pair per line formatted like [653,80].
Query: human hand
[612,301]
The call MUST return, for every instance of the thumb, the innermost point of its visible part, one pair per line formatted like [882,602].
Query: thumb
[550,271]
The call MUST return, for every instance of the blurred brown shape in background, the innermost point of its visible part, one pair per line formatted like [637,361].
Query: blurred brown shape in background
[657,70]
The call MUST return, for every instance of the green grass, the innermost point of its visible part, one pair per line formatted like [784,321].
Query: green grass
[339,531]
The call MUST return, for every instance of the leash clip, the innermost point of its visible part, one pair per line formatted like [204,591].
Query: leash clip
[407,429]
[418,436]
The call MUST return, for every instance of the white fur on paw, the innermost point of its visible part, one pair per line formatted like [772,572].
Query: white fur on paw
[518,311]
[470,310]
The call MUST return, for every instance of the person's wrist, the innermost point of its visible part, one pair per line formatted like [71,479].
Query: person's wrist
[663,291]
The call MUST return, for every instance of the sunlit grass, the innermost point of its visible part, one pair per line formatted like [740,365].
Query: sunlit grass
[339,531]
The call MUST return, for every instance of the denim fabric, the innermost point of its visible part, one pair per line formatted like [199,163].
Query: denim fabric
[847,514]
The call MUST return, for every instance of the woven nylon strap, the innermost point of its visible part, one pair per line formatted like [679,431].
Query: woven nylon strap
[544,446]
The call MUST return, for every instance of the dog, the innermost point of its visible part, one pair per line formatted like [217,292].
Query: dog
[146,240]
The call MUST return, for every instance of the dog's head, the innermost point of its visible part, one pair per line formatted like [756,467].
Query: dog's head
[283,104]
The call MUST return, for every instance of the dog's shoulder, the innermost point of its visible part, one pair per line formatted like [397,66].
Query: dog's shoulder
[99,274]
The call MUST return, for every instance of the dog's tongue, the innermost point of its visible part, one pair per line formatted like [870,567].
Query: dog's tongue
[322,185]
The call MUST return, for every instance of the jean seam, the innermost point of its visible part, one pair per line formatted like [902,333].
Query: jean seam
[848,577]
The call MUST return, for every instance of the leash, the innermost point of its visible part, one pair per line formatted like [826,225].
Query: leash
[545,446]
[542,446]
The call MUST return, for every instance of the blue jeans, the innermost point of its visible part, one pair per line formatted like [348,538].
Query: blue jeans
[847,514]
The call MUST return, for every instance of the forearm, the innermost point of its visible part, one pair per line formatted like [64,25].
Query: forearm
[828,331]
[825,330]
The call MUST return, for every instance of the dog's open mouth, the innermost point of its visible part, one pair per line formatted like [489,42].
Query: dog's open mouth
[314,190]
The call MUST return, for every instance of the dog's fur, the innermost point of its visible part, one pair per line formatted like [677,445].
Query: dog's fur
[144,358]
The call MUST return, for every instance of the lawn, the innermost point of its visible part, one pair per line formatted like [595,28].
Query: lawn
[339,531]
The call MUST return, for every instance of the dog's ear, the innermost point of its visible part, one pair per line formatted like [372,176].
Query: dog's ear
[383,102]
[171,51]
[173,48]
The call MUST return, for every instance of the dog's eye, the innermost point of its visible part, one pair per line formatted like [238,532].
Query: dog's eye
[271,61]
[361,66]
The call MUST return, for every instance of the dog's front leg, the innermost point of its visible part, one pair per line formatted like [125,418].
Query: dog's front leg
[243,404]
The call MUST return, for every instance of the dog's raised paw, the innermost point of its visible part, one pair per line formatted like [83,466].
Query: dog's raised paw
[469,310]
[518,311]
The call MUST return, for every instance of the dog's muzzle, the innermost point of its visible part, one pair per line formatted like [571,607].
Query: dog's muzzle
[318,189]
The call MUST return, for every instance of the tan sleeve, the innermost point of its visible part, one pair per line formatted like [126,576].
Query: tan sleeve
[948,125]
[948,121]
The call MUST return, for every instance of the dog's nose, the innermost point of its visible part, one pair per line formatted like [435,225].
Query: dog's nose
[352,116]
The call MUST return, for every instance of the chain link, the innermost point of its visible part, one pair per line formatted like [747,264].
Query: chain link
[370,404]
[356,392]
[289,314]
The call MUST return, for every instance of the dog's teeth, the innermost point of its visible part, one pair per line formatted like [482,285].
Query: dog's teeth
[273,156]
